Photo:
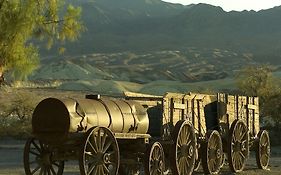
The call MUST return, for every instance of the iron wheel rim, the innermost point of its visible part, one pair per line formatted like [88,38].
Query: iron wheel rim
[38,159]
[183,150]
[212,153]
[238,146]
[100,154]
[263,150]
[155,161]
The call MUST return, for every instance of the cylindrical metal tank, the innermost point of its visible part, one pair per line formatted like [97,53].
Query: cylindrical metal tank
[55,118]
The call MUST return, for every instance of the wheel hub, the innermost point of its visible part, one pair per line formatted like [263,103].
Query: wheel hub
[191,151]
[243,146]
[265,150]
[214,154]
[268,150]
[218,154]
[238,146]
[45,159]
[187,150]
[106,158]
[184,150]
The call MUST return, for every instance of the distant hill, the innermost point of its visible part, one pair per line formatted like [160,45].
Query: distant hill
[151,46]
[153,25]
[186,65]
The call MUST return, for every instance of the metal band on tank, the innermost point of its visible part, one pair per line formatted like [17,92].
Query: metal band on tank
[121,114]
[107,110]
[128,117]
[135,120]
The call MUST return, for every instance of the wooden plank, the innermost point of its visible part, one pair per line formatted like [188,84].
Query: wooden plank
[179,106]
[250,106]
[133,94]
[131,135]
[148,103]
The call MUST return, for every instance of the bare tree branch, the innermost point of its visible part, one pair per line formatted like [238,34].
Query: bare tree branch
[53,21]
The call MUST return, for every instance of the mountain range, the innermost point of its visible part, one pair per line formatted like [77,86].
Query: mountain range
[153,25]
[143,41]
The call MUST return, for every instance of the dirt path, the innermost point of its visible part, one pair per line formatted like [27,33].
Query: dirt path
[11,161]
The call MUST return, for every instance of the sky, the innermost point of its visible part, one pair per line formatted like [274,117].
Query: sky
[237,5]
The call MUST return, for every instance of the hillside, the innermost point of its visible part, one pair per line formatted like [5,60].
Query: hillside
[152,25]
[186,65]
[129,45]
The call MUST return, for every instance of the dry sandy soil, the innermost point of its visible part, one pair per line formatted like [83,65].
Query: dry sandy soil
[11,161]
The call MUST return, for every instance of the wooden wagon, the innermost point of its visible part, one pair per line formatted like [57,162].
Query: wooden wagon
[238,121]
[159,134]
[177,122]
[98,132]
[226,127]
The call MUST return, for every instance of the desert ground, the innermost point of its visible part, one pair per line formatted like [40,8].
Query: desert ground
[11,161]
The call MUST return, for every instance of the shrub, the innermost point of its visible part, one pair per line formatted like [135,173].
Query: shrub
[16,111]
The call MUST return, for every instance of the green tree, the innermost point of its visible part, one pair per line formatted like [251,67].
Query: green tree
[272,108]
[259,81]
[23,20]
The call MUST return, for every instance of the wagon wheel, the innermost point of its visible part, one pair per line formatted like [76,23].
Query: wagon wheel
[263,149]
[212,153]
[238,146]
[100,153]
[154,160]
[38,159]
[183,149]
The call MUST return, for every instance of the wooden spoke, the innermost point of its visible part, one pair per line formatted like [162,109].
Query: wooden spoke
[36,145]
[100,153]
[212,153]
[184,149]
[154,163]
[263,149]
[238,146]
[34,153]
[93,148]
[107,145]
[35,169]
[38,159]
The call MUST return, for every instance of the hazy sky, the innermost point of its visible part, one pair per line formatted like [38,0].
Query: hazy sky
[237,5]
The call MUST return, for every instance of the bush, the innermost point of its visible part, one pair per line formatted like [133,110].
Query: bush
[16,111]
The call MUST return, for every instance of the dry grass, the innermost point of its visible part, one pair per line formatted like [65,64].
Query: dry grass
[17,105]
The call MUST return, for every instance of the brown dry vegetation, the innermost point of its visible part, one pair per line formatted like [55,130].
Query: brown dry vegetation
[17,105]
